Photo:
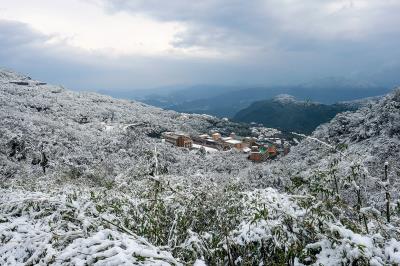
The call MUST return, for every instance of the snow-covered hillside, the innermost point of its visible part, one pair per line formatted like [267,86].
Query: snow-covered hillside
[82,133]
[366,139]
[85,180]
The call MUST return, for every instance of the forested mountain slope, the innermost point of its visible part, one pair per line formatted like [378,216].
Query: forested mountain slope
[85,180]
[286,113]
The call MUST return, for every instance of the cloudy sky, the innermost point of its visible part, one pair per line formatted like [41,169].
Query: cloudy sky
[135,44]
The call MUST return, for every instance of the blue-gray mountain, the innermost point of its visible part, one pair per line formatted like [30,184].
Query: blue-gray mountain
[226,101]
[286,113]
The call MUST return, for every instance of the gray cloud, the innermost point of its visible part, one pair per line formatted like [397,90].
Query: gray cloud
[332,29]
[31,52]
[210,23]
[332,37]
[285,41]
[14,37]
[260,23]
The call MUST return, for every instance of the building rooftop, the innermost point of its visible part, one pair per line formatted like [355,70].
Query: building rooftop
[233,141]
[174,134]
[207,149]
[246,149]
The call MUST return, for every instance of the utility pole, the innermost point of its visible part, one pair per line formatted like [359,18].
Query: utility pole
[156,161]
[387,194]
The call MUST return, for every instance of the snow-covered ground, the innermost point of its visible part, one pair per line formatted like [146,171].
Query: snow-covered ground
[207,149]
[81,183]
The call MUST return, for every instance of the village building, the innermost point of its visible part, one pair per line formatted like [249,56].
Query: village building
[262,153]
[257,152]
[246,150]
[275,141]
[254,148]
[178,139]
[205,148]
[184,141]
[257,156]
[216,136]
[212,143]
[233,143]
[272,151]
[250,141]
[207,141]
[170,137]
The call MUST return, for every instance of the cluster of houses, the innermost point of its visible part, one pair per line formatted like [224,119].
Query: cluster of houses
[256,151]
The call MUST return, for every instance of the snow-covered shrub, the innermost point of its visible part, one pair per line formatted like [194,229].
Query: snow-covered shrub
[40,229]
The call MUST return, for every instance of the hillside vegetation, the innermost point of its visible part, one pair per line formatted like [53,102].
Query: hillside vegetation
[286,113]
[85,180]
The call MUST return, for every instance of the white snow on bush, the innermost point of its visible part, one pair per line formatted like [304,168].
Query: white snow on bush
[37,229]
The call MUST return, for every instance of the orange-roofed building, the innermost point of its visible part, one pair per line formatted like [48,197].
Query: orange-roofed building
[216,136]
[272,152]
[256,156]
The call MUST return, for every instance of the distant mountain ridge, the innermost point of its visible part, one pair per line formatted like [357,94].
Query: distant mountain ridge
[226,102]
[288,114]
